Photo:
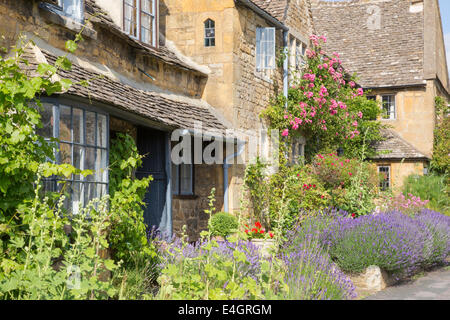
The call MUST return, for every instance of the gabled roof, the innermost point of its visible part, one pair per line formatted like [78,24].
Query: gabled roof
[382,41]
[153,106]
[396,148]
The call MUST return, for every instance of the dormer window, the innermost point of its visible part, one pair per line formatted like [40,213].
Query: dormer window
[140,20]
[210,33]
[73,9]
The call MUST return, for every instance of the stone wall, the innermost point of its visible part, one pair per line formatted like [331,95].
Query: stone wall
[189,210]
[299,19]
[183,23]
[106,49]
[415,116]
[401,170]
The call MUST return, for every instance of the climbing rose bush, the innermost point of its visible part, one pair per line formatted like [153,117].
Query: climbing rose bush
[324,105]
[321,97]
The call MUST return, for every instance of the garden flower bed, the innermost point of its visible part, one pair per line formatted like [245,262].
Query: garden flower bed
[400,245]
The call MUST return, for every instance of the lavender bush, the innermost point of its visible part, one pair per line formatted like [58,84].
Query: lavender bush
[437,246]
[310,273]
[395,242]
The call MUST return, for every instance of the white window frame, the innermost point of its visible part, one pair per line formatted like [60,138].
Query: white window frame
[297,56]
[71,6]
[265,48]
[138,20]
[391,113]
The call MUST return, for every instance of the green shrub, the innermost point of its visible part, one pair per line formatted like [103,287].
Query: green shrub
[432,187]
[223,224]
[440,162]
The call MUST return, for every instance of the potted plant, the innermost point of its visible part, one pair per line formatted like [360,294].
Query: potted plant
[260,237]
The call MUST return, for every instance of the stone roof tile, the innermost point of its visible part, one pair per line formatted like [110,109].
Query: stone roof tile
[276,8]
[395,147]
[382,41]
[149,105]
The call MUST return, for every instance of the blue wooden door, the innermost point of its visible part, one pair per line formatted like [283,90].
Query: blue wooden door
[153,144]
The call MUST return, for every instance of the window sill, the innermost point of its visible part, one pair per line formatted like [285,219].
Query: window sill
[184,197]
[259,74]
[54,14]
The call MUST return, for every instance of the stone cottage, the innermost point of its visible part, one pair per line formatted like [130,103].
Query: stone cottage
[135,85]
[155,68]
[396,48]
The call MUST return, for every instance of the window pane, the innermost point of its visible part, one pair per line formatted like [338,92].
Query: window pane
[65,153]
[89,163]
[77,197]
[130,17]
[101,130]
[147,6]
[78,159]
[47,121]
[65,187]
[101,190]
[65,123]
[186,178]
[78,130]
[89,192]
[73,8]
[90,128]
[100,166]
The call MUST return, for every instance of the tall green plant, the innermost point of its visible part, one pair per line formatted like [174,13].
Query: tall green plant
[54,255]
[128,235]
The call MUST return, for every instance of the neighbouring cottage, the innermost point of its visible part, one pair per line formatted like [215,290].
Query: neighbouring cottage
[242,43]
[396,48]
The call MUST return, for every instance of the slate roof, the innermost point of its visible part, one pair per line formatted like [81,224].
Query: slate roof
[276,8]
[150,105]
[392,55]
[398,148]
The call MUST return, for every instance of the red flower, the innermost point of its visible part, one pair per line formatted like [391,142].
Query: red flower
[350,174]
[258,225]
[262,232]
[353,215]
[322,196]
[314,185]
[254,230]
[271,234]
[246,231]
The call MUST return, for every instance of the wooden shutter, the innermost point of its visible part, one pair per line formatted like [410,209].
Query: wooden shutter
[259,52]
[270,48]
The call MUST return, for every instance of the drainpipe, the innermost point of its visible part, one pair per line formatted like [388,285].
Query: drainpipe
[226,165]
[286,65]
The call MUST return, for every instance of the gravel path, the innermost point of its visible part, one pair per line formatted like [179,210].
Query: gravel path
[433,286]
